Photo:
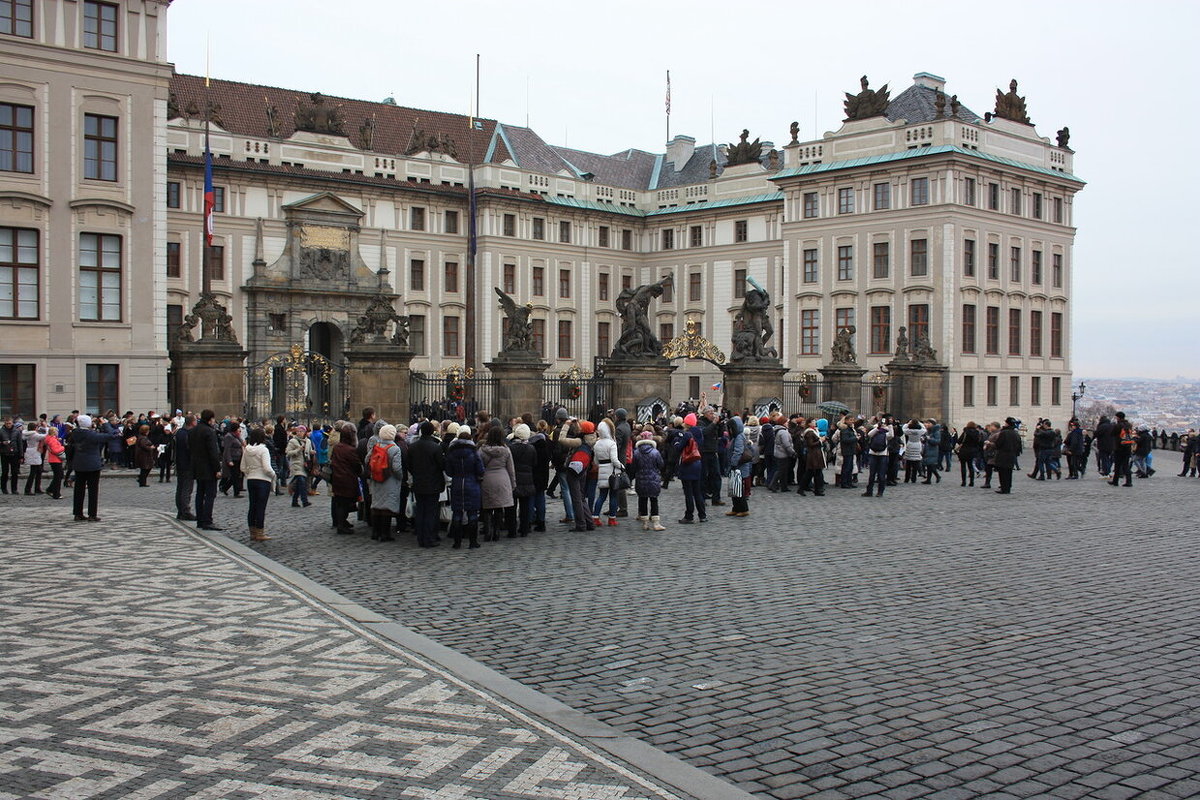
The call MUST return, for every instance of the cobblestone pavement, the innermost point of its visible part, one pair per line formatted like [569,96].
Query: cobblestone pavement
[139,660]
[939,642]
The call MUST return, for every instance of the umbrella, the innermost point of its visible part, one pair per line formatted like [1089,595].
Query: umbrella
[834,407]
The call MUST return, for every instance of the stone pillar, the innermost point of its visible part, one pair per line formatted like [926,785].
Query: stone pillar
[209,374]
[518,384]
[634,379]
[918,390]
[844,383]
[378,375]
[747,382]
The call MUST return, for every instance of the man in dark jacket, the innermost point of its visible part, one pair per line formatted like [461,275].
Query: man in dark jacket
[88,446]
[711,430]
[1105,439]
[205,448]
[426,465]
[1008,447]
[1074,448]
[624,434]
[185,480]
[11,450]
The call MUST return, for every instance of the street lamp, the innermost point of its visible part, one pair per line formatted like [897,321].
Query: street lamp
[1075,397]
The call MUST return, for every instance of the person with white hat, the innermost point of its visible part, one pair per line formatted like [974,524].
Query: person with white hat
[88,448]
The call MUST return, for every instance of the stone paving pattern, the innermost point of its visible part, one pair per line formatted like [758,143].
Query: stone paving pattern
[140,661]
[940,642]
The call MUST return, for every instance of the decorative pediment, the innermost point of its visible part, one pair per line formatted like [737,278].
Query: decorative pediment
[327,202]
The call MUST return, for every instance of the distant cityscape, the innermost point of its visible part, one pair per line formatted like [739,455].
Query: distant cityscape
[1172,405]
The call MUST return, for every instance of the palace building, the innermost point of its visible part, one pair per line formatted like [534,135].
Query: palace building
[916,212]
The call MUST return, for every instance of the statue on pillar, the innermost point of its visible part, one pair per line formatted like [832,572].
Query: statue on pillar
[518,333]
[752,327]
[216,324]
[637,339]
[372,324]
[902,344]
[843,347]
[922,351]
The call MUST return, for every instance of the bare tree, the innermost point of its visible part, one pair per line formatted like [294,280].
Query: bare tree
[1090,414]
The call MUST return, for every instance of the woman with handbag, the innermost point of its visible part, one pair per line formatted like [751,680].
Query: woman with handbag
[690,471]
[647,467]
[56,454]
[299,453]
[145,454]
[260,477]
[499,481]
[604,454]
[741,460]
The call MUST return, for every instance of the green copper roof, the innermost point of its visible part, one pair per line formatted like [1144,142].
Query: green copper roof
[919,152]
[637,212]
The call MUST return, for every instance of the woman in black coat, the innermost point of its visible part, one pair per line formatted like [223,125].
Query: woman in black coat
[970,441]
[524,457]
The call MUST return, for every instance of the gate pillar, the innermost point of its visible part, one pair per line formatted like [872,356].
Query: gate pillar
[519,386]
[378,374]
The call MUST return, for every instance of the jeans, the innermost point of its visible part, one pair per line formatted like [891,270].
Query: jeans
[966,467]
[605,494]
[206,495]
[300,490]
[1042,468]
[184,484]
[87,482]
[1106,462]
[783,470]
[1005,474]
[847,475]
[564,491]
[425,517]
[260,492]
[538,510]
[693,497]
[878,474]
[944,459]
[580,515]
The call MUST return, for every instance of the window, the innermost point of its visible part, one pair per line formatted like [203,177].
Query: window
[968,390]
[697,236]
[739,283]
[173,194]
[993,197]
[603,338]
[20,272]
[174,319]
[1035,267]
[968,328]
[969,258]
[564,283]
[564,338]
[216,262]
[416,333]
[416,218]
[451,222]
[992,331]
[450,283]
[1035,391]
[918,320]
[539,228]
[450,336]
[99,277]
[919,257]
[668,295]
[843,318]
[16,138]
[508,277]
[1014,390]
[1014,331]
[810,332]
[99,147]
[694,294]
[810,266]
[845,262]
[539,282]
[564,232]
[1056,334]
[1058,210]
[993,390]
[100,26]
[993,261]
[1056,391]
[1037,205]
[666,332]
[881,256]
[1035,333]
[668,239]
[102,381]
[1056,270]
[694,386]
[812,205]
[1014,264]
[219,199]
[602,291]
[739,230]
[416,275]
[174,267]
[539,337]
[626,240]
[627,283]
[277,323]
[968,191]
[510,225]
[1014,203]
[603,236]
[881,329]
[16,19]
[846,200]
[919,192]
[883,196]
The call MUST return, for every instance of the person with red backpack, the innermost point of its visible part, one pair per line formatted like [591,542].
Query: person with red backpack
[385,469]
[578,465]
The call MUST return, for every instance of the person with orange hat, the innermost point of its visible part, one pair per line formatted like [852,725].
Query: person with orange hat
[690,471]
[578,464]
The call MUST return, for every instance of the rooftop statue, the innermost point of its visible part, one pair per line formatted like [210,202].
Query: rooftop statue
[637,339]
[518,334]
[744,152]
[1011,105]
[319,116]
[867,103]
[1064,138]
[752,328]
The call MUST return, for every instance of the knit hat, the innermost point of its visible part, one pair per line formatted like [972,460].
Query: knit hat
[521,432]
[587,427]
[690,420]
[561,415]
[644,435]
[83,421]
[464,432]
[301,429]
[452,429]
[388,433]
[763,420]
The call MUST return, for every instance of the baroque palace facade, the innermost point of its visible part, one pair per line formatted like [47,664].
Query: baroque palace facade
[916,212]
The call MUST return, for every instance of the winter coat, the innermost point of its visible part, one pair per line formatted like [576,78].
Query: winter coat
[692,471]
[970,441]
[231,450]
[887,438]
[499,476]
[913,437]
[1105,436]
[10,442]
[785,446]
[847,439]
[206,452]
[524,456]
[604,454]
[256,463]
[385,494]
[933,446]
[1043,439]
[33,448]
[1008,447]
[465,468]
[298,452]
[89,448]
[427,465]
[816,452]
[541,461]
[737,445]
[145,454]
[55,451]
[647,468]
[1074,441]
[345,469]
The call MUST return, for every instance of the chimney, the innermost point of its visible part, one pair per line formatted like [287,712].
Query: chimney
[679,150]
[930,81]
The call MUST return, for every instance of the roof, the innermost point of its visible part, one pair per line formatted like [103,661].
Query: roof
[572,202]
[243,111]
[920,152]
[918,104]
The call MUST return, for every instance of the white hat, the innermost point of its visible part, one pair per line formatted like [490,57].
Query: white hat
[387,433]
[83,421]
[464,432]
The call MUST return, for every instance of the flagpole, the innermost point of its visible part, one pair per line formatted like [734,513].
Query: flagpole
[668,105]
[205,269]
[469,325]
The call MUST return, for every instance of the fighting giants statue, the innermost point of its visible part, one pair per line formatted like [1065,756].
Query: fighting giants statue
[843,347]
[637,339]
[752,328]
[518,334]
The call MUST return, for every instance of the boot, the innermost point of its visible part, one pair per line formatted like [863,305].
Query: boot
[455,533]
[258,535]
[656,524]
[645,522]
[472,535]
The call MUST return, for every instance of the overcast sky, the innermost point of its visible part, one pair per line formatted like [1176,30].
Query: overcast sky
[592,75]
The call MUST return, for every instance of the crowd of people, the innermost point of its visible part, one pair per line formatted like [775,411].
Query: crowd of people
[497,477]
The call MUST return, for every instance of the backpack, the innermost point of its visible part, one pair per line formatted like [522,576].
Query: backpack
[379,462]
[878,440]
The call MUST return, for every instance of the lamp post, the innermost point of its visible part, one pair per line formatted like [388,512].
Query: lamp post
[1075,397]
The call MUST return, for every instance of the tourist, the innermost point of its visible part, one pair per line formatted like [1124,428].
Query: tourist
[55,455]
[605,457]
[1105,439]
[465,469]
[11,449]
[279,440]
[1188,444]
[34,436]
[877,441]
[1143,451]
[712,429]
[1073,447]
[541,473]
[1122,450]
[1007,448]
[384,468]
[205,448]
[498,485]
[848,437]
[623,435]
[524,460]
[320,443]
[88,458]
[578,465]
[345,471]
[914,451]
[145,454]
[427,468]
[231,459]
[932,456]
[741,462]
[260,478]
[691,471]
[299,453]
[185,481]
[563,445]
[647,468]
[784,455]
[970,443]
[814,464]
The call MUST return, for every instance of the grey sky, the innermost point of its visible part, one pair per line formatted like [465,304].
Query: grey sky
[1122,77]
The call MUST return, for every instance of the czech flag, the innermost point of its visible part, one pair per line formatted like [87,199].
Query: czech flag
[210,196]
[716,387]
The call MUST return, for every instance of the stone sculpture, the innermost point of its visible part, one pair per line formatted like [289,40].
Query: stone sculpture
[373,323]
[902,344]
[743,152]
[752,327]
[319,116]
[1012,105]
[867,103]
[843,346]
[518,333]
[922,352]
[1064,137]
[637,339]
